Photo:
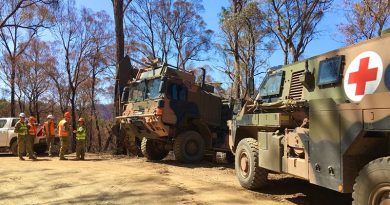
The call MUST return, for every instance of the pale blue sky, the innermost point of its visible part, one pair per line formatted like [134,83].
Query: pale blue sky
[328,40]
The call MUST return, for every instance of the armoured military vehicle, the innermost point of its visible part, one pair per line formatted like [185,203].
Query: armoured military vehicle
[165,109]
[325,119]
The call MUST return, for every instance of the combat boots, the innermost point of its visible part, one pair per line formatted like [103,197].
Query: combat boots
[33,157]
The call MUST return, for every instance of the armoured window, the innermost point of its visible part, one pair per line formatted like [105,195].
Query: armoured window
[329,71]
[153,87]
[271,85]
[137,91]
[177,92]
[2,123]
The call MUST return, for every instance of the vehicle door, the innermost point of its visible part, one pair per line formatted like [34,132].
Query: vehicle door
[11,129]
[177,94]
[3,133]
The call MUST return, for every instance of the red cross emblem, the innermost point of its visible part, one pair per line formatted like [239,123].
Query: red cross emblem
[362,76]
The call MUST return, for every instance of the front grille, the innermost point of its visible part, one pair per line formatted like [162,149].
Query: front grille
[296,86]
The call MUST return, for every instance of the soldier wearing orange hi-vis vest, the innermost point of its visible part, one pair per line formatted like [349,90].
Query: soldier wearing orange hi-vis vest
[32,133]
[64,133]
[49,128]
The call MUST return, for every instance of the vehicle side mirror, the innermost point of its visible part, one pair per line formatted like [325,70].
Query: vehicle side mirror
[163,85]
[251,86]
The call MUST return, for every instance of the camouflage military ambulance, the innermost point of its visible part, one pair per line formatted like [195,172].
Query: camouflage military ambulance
[165,109]
[325,119]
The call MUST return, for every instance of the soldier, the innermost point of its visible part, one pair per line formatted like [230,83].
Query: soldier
[64,134]
[81,133]
[49,129]
[32,132]
[21,130]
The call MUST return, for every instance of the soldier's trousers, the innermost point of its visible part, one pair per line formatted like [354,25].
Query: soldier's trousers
[80,149]
[49,142]
[21,145]
[64,146]
[29,146]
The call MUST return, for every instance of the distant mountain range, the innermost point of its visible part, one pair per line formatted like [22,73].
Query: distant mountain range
[106,111]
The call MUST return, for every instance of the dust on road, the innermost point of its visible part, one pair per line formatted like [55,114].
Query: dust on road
[104,179]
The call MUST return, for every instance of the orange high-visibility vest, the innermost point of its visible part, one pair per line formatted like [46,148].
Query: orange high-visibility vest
[61,129]
[33,130]
[49,128]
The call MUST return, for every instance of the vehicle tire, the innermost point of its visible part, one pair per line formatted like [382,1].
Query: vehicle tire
[249,174]
[40,149]
[56,146]
[189,147]
[14,148]
[153,149]
[138,143]
[372,186]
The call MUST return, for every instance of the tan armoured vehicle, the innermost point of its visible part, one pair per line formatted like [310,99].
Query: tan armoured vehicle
[165,109]
[325,119]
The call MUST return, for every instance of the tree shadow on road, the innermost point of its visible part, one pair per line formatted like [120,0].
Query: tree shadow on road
[201,164]
[301,192]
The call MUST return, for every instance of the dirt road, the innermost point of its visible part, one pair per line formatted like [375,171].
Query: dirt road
[103,179]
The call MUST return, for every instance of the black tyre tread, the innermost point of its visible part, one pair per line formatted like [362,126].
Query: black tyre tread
[14,148]
[260,178]
[179,140]
[359,184]
[56,147]
[179,155]
[150,152]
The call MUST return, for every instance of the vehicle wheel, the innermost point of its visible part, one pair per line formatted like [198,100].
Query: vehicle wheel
[153,149]
[189,147]
[14,148]
[138,143]
[372,186]
[249,174]
[55,149]
[41,149]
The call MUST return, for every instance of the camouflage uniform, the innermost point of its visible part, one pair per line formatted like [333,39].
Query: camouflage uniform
[81,133]
[21,129]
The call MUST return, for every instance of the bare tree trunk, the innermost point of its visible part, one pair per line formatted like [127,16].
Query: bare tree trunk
[118,7]
[37,109]
[21,104]
[120,45]
[237,73]
[98,131]
[12,81]
[93,110]
[285,55]
[89,145]
[73,110]
[109,139]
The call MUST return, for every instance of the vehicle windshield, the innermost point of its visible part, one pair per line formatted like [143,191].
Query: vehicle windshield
[271,85]
[144,90]
[153,88]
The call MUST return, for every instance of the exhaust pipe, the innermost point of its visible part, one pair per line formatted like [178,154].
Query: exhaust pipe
[203,77]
